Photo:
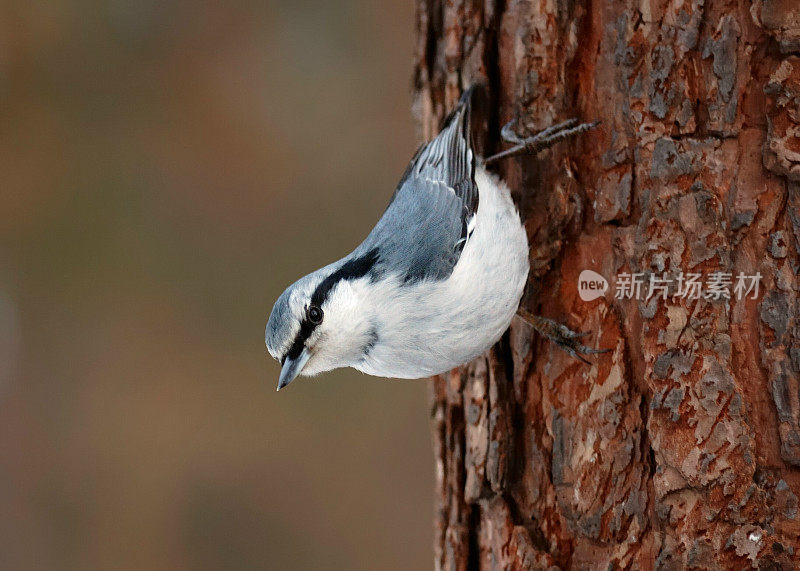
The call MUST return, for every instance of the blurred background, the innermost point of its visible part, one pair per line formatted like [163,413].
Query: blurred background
[168,168]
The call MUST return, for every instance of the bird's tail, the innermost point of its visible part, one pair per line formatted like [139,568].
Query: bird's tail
[462,113]
[455,139]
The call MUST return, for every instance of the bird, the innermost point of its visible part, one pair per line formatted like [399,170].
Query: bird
[437,281]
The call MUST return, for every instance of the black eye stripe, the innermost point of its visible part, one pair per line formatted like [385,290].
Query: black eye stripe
[306,329]
[350,270]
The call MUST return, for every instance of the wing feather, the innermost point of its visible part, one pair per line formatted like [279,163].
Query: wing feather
[432,213]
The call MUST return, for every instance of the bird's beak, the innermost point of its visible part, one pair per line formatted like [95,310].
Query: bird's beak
[292,368]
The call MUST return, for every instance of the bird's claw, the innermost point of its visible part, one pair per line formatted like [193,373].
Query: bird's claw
[564,337]
[541,140]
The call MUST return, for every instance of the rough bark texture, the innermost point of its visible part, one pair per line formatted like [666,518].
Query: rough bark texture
[681,448]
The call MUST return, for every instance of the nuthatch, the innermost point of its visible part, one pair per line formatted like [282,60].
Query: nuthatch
[437,281]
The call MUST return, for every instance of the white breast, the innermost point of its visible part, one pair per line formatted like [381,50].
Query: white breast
[432,327]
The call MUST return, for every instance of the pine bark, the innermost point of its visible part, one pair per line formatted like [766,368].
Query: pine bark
[681,447]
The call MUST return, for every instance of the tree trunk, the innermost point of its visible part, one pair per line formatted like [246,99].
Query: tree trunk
[681,447]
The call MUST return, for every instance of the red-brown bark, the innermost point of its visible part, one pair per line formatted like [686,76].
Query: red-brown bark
[681,448]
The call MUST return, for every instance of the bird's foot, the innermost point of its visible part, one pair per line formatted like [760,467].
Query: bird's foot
[540,141]
[561,335]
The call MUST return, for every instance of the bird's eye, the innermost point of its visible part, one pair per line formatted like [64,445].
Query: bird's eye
[315,314]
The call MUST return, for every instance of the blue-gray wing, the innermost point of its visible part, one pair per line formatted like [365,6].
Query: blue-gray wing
[432,213]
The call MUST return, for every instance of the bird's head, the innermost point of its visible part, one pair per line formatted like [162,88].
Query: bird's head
[324,320]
